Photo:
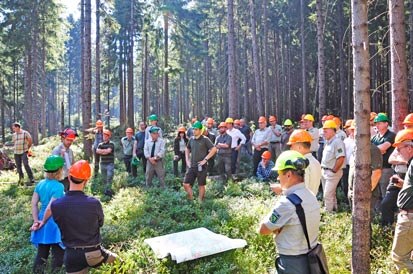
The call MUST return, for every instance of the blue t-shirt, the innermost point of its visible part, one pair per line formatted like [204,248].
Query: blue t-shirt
[49,233]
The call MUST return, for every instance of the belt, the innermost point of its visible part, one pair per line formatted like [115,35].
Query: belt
[274,142]
[326,168]
[406,211]
[91,247]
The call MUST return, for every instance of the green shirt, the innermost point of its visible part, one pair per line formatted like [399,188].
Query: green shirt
[199,149]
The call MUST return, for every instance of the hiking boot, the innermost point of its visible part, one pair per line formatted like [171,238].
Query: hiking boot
[20,182]
[108,192]
[30,183]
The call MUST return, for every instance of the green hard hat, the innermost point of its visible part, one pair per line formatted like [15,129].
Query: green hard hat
[197,125]
[291,159]
[381,117]
[154,129]
[153,117]
[288,122]
[135,161]
[53,163]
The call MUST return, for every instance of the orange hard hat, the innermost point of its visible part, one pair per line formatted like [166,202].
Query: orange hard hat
[182,129]
[273,118]
[107,132]
[337,121]
[237,122]
[300,136]
[324,118]
[266,155]
[408,120]
[222,124]
[372,115]
[210,121]
[129,130]
[329,117]
[403,136]
[348,123]
[99,123]
[80,170]
[262,119]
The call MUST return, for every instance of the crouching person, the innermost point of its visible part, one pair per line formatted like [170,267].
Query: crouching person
[79,218]
[283,222]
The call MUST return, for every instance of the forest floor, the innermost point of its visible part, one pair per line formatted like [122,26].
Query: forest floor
[136,213]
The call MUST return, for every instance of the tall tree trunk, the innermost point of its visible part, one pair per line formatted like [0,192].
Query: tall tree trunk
[321,60]
[255,60]
[87,92]
[266,92]
[166,66]
[342,72]
[2,107]
[362,185]
[145,104]
[303,62]
[232,84]
[411,55]
[98,109]
[122,111]
[131,110]
[400,97]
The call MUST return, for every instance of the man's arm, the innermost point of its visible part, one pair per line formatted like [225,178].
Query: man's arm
[29,139]
[264,230]
[161,152]
[384,147]
[339,163]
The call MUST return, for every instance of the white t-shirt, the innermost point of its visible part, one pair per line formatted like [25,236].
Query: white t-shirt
[312,176]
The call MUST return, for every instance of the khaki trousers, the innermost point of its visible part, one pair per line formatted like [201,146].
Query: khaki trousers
[157,169]
[403,242]
[330,180]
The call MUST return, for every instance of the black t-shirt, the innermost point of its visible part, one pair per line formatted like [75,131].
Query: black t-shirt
[109,158]
[389,136]
[79,218]
[199,149]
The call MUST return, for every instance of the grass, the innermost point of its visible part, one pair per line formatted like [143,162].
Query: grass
[136,213]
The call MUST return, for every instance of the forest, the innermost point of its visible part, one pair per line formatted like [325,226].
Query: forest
[123,60]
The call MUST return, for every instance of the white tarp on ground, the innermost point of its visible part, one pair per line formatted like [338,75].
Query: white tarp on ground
[192,244]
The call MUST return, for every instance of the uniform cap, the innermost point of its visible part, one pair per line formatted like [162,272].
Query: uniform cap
[266,155]
[300,136]
[80,170]
[381,117]
[53,163]
[403,136]
[348,123]
[330,124]
[372,116]
[309,117]
[291,159]
[154,129]
[153,117]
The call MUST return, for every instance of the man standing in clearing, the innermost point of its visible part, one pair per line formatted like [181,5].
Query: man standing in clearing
[22,141]
[127,145]
[140,144]
[198,151]
[236,136]
[106,150]
[68,137]
[283,223]
[332,164]
[154,153]
[260,141]
[223,144]
[315,135]
[275,140]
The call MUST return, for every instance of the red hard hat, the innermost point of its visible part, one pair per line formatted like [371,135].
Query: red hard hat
[107,132]
[266,155]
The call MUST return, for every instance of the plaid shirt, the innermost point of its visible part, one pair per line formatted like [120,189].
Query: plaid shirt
[21,142]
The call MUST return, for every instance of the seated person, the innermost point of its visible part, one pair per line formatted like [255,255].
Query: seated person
[264,170]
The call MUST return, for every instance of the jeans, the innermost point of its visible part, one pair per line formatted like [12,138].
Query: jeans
[43,251]
[224,166]
[181,157]
[131,169]
[107,170]
[388,206]
[23,159]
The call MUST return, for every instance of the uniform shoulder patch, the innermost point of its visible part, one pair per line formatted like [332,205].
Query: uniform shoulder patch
[275,216]
[340,150]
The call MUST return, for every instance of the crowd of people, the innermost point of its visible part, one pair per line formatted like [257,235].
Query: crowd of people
[295,158]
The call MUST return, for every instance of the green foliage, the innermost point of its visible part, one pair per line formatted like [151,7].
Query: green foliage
[136,213]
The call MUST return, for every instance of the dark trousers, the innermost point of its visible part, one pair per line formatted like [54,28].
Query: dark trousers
[43,251]
[79,259]
[65,182]
[388,206]
[224,166]
[256,159]
[234,159]
[96,162]
[23,159]
[344,183]
[142,158]
[290,264]
[181,157]
[131,169]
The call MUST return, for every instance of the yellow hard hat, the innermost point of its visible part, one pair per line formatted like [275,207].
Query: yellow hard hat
[309,117]
[329,124]
[229,120]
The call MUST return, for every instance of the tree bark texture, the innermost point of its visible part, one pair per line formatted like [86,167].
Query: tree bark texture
[321,60]
[232,87]
[97,51]
[362,184]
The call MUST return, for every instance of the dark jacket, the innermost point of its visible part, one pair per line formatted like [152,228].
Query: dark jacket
[176,144]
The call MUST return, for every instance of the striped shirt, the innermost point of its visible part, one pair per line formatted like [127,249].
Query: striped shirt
[21,142]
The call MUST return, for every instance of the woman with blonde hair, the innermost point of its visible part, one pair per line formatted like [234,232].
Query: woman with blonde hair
[48,236]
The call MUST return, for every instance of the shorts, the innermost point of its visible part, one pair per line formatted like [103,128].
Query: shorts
[77,260]
[192,173]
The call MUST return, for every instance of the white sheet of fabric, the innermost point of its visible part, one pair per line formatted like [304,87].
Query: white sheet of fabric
[192,244]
